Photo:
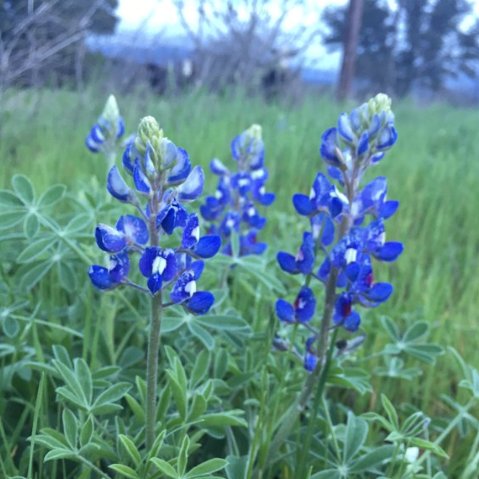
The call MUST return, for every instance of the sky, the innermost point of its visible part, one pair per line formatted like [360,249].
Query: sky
[160,16]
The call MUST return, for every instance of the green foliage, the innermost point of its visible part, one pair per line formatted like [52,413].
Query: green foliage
[72,361]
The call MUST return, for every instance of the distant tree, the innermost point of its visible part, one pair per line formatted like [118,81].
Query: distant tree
[42,38]
[248,42]
[350,47]
[420,43]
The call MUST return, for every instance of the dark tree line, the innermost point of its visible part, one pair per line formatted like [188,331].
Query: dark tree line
[43,40]
[418,44]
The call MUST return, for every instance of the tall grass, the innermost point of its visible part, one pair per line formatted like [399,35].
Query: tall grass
[433,171]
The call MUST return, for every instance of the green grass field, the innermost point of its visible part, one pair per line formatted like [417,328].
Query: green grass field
[433,171]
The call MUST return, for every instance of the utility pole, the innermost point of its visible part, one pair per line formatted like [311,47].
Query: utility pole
[355,13]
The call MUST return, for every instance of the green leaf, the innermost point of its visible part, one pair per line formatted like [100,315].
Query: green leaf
[390,327]
[416,331]
[236,468]
[70,427]
[183,456]
[30,226]
[202,334]
[198,407]
[35,249]
[207,467]
[131,449]
[390,411]
[9,219]
[327,474]
[223,419]
[429,446]
[71,381]
[424,352]
[52,439]
[58,454]
[165,468]
[136,408]
[67,394]
[67,276]
[356,433]
[33,275]
[171,323]
[125,471]
[223,322]
[24,188]
[79,223]
[51,196]
[104,403]
[373,458]
[200,369]
[86,432]
[84,377]
[8,199]
[179,394]
[10,326]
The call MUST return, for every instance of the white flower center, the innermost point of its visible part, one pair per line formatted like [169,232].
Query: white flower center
[190,288]
[251,211]
[218,194]
[350,255]
[243,182]
[256,174]
[230,223]
[159,265]
[196,233]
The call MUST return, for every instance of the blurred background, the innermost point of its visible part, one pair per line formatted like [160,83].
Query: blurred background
[424,49]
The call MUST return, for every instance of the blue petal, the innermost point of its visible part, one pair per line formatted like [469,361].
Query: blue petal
[335,206]
[266,199]
[154,283]
[305,262]
[387,138]
[193,186]
[208,246]
[100,277]
[344,128]
[363,144]
[336,174]
[97,134]
[109,239]
[92,145]
[128,162]
[305,305]
[134,228]
[142,183]
[197,268]
[302,204]
[175,217]
[328,231]
[287,262]
[380,292]
[171,157]
[284,311]
[117,186]
[328,146]
[352,322]
[119,267]
[120,128]
[200,302]
[388,209]
[191,233]
[146,261]
[390,251]
[310,362]
[218,168]
[182,168]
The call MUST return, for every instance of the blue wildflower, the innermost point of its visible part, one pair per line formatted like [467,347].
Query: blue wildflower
[234,207]
[347,228]
[164,183]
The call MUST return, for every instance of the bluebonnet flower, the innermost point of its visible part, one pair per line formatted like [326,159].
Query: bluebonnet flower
[164,183]
[233,210]
[347,228]
[105,135]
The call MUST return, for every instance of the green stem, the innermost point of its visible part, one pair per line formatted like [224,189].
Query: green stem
[314,411]
[152,370]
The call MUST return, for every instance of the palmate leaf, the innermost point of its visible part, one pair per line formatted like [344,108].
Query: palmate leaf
[355,436]
[39,247]
[23,188]
[51,196]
